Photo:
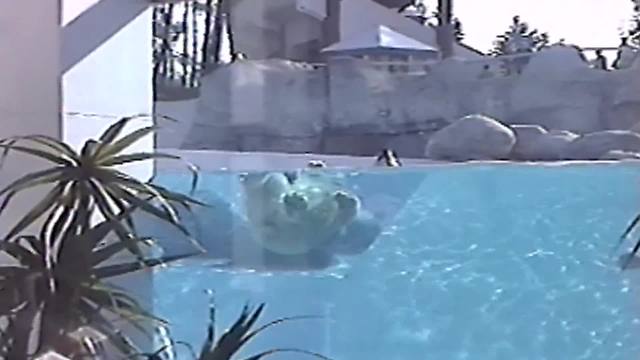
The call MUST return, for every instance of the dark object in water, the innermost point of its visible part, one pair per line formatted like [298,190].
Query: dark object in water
[389,158]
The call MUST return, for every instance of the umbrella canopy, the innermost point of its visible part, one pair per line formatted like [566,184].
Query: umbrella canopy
[381,40]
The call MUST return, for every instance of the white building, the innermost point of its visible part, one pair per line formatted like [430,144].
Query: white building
[299,29]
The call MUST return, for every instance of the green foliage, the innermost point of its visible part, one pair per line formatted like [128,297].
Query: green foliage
[230,343]
[519,38]
[633,225]
[55,282]
[633,33]
[66,289]
[240,333]
[83,184]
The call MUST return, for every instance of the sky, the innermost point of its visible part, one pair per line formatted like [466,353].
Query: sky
[586,23]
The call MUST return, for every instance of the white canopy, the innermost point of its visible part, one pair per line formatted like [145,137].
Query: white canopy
[380,38]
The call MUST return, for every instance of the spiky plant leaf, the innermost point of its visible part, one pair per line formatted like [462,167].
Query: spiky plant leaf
[89,181]
[68,289]
[287,350]
[633,225]
[240,333]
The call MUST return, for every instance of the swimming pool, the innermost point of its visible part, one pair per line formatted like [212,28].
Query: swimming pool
[474,261]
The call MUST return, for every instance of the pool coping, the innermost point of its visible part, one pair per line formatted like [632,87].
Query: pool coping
[222,161]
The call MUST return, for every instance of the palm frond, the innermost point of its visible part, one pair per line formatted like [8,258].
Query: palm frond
[240,333]
[636,248]
[88,181]
[287,350]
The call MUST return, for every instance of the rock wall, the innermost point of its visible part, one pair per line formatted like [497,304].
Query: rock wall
[353,107]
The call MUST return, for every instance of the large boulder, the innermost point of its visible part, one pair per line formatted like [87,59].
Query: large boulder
[595,145]
[535,143]
[474,137]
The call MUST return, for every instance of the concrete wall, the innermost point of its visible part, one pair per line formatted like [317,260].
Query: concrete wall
[99,63]
[107,74]
[112,77]
[29,84]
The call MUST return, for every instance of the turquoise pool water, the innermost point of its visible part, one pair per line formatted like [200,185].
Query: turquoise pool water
[474,262]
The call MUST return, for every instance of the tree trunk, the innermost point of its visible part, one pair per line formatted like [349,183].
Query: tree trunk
[193,57]
[207,34]
[445,28]
[185,46]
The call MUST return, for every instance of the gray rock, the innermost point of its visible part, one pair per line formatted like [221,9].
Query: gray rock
[580,117]
[534,143]
[595,145]
[620,155]
[623,116]
[553,146]
[527,137]
[474,137]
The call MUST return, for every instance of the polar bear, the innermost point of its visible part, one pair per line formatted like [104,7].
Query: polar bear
[293,217]
[231,244]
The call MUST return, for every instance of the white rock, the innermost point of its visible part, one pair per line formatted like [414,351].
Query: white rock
[474,137]
[620,155]
[534,143]
[526,138]
[595,145]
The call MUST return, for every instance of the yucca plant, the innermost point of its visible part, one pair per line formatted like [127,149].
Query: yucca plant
[82,184]
[66,289]
[57,283]
[241,332]
[630,228]
[227,346]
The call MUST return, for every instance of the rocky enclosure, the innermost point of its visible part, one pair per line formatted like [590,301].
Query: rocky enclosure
[557,109]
